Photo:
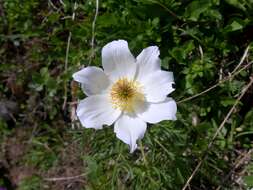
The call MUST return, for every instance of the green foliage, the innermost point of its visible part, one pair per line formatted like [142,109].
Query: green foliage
[31,183]
[43,152]
[201,41]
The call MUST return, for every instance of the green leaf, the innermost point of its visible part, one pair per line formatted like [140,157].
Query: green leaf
[228,102]
[196,8]
[237,4]
[248,180]
[235,25]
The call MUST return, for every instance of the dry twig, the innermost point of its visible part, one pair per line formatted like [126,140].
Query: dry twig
[242,59]
[65,178]
[66,60]
[93,32]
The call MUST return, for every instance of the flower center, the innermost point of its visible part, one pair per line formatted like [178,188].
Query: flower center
[125,94]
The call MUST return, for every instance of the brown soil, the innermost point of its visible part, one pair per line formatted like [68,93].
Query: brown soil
[12,163]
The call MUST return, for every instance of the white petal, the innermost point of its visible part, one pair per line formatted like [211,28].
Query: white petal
[96,111]
[148,61]
[157,86]
[156,112]
[117,60]
[93,79]
[129,129]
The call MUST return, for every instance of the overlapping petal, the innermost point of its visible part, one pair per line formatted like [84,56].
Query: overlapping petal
[93,80]
[148,61]
[118,61]
[157,86]
[156,112]
[129,129]
[96,111]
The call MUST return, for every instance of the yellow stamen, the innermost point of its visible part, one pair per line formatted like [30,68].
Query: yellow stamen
[125,94]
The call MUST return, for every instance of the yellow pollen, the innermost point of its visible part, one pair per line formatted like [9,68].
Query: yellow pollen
[125,94]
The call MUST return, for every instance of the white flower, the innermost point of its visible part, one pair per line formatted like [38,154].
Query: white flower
[128,92]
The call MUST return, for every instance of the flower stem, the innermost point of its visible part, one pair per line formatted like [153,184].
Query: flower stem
[143,154]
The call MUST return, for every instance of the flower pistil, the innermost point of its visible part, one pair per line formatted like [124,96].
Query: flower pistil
[125,94]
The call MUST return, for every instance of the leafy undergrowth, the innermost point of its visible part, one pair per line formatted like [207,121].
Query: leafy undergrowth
[202,42]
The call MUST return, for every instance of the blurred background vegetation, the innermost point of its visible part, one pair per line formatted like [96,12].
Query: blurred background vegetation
[42,43]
